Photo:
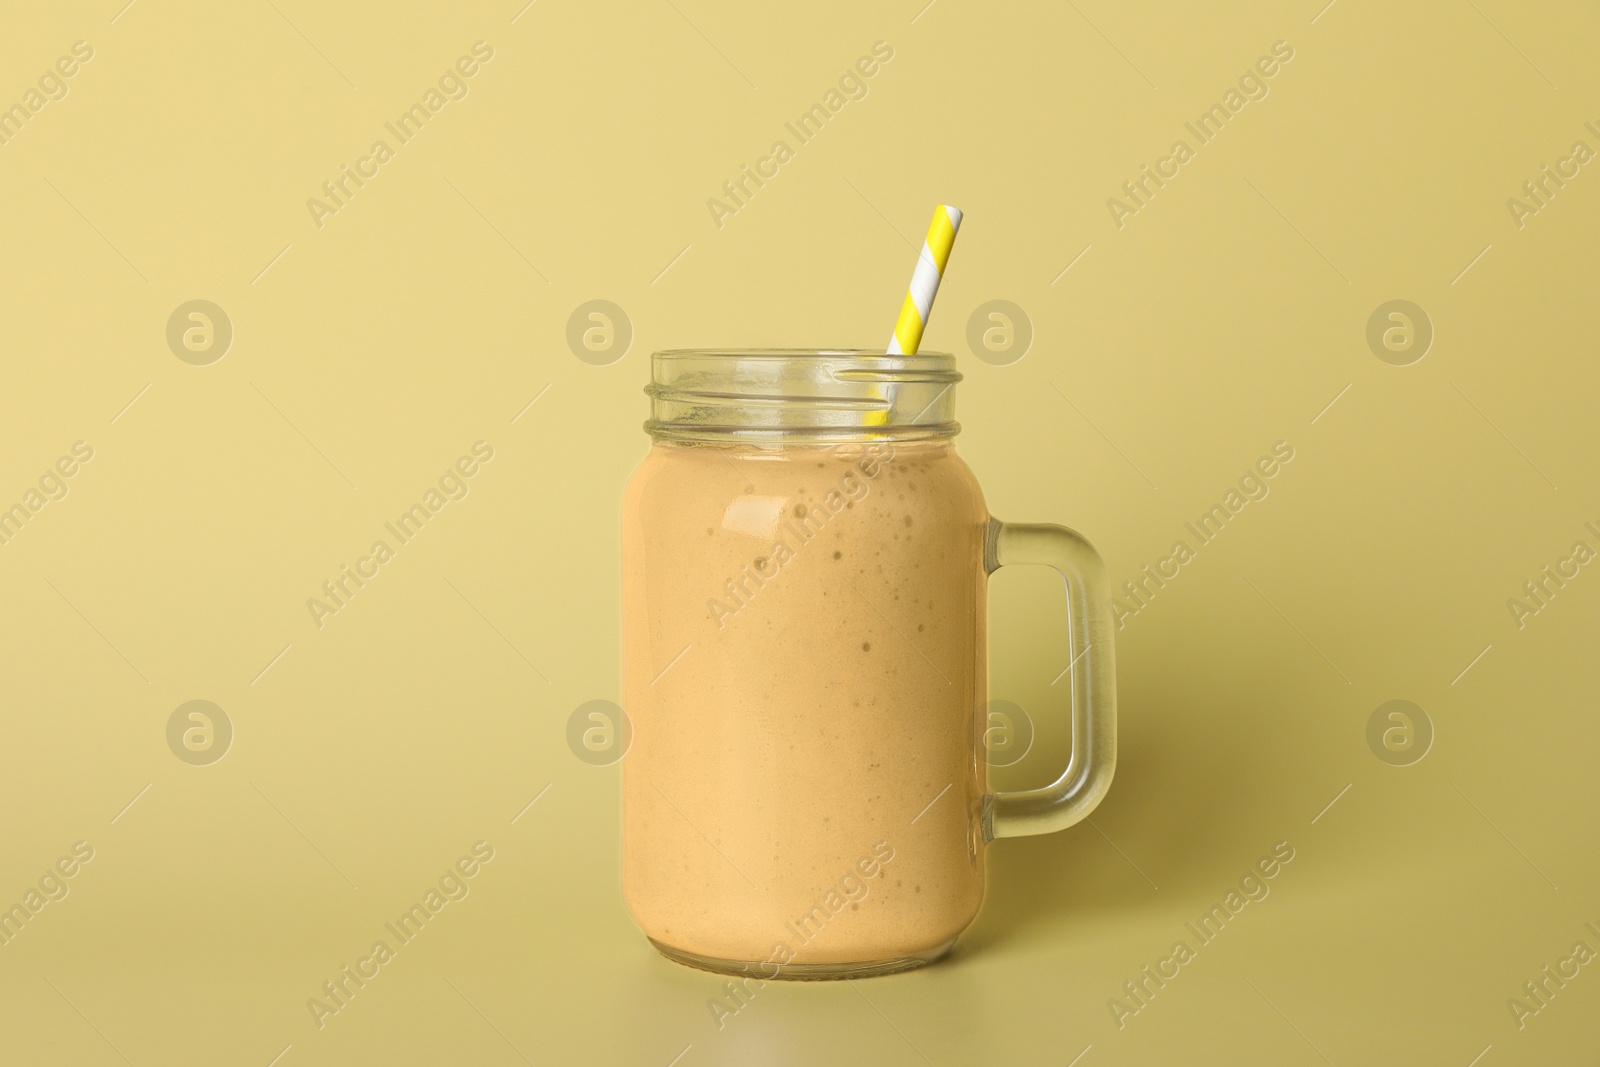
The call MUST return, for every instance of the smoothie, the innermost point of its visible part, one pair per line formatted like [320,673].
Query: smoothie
[805,780]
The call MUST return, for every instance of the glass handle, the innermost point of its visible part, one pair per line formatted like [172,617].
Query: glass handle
[1091,669]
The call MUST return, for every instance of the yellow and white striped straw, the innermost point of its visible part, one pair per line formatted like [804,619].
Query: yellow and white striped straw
[925,280]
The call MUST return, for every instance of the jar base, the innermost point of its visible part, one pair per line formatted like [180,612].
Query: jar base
[803,972]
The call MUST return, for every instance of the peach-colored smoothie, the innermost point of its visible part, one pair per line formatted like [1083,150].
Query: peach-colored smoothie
[804,671]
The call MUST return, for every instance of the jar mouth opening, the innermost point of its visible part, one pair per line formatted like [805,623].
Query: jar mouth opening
[798,353]
[800,394]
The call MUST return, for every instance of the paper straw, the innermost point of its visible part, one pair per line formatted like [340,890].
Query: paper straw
[925,280]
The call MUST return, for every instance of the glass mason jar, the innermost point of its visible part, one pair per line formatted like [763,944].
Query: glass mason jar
[804,568]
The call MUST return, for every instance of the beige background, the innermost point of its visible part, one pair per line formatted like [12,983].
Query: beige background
[371,352]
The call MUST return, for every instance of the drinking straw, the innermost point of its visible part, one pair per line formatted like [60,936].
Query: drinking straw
[925,280]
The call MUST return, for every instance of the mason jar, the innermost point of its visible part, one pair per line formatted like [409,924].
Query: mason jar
[804,566]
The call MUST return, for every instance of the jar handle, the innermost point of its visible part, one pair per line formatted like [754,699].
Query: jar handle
[1092,671]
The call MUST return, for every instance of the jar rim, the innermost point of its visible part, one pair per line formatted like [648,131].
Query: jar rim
[801,394]
[799,353]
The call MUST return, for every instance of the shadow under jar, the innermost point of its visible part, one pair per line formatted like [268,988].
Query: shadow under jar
[804,568]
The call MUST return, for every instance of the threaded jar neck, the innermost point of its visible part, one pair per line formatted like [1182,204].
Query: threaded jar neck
[801,395]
